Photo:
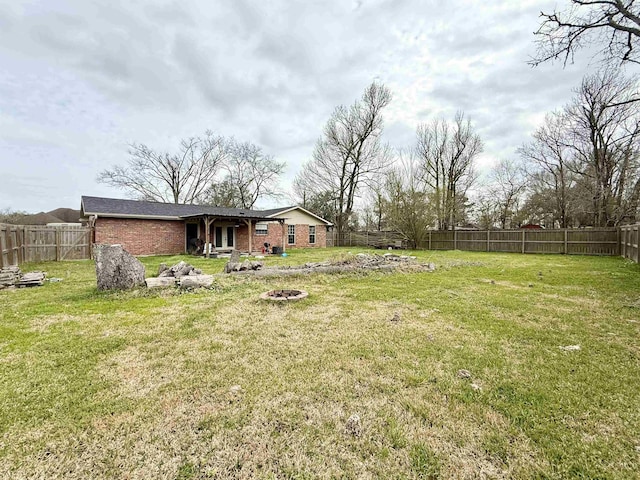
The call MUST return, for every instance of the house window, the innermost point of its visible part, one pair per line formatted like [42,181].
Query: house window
[312,234]
[261,228]
[291,230]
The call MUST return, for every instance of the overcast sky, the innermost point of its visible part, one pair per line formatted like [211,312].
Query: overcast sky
[79,80]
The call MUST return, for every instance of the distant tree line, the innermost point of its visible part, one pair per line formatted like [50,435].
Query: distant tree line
[581,168]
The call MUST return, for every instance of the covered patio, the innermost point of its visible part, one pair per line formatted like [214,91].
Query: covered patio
[224,233]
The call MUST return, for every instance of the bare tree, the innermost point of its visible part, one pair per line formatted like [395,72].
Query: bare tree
[7,215]
[604,123]
[407,206]
[249,175]
[548,155]
[509,185]
[447,153]
[611,25]
[349,152]
[174,178]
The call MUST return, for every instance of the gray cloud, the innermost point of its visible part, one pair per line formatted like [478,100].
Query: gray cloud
[83,79]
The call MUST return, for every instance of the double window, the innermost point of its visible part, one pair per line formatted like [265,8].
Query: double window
[291,230]
[312,234]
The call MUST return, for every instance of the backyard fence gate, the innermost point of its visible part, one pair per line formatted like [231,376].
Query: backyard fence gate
[39,243]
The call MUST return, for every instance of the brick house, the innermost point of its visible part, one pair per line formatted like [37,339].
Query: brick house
[153,228]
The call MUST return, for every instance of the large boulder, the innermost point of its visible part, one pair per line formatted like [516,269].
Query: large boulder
[117,269]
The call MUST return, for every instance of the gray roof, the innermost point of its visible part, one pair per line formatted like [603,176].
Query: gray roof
[115,207]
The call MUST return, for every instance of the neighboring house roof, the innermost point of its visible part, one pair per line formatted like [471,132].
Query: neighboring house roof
[279,211]
[41,218]
[67,215]
[119,208]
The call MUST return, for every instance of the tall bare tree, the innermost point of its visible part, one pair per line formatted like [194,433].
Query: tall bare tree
[604,121]
[349,152]
[408,209]
[548,156]
[249,175]
[182,177]
[508,188]
[447,152]
[612,26]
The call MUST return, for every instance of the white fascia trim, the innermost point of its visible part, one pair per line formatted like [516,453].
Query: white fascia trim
[329,224]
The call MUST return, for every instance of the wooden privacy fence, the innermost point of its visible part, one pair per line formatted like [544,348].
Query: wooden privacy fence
[592,241]
[588,241]
[39,243]
[629,240]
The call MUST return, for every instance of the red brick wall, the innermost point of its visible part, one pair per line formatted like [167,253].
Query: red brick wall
[274,237]
[142,237]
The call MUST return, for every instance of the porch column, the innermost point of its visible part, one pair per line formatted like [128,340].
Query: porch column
[207,226]
[248,222]
[206,235]
[283,236]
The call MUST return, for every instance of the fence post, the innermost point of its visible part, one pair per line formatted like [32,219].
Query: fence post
[566,243]
[488,240]
[524,231]
[455,238]
[429,239]
[619,235]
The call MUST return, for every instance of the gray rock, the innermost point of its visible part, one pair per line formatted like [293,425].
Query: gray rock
[464,374]
[160,282]
[162,268]
[196,281]
[235,256]
[353,425]
[117,269]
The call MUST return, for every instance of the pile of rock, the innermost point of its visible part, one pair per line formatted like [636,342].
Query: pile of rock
[352,263]
[180,269]
[13,277]
[181,274]
[9,276]
[235,265]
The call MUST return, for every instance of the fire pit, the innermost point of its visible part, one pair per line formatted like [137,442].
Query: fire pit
[284,295]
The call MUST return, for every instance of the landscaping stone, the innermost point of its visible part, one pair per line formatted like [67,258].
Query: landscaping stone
[353,425]
[196,281]
[570,348]
[117,269]
[464,374]
[180,269]
[160,282]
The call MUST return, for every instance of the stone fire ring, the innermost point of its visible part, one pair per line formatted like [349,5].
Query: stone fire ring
[284,295]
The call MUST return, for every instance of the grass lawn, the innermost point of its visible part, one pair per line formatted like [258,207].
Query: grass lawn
[138,384]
